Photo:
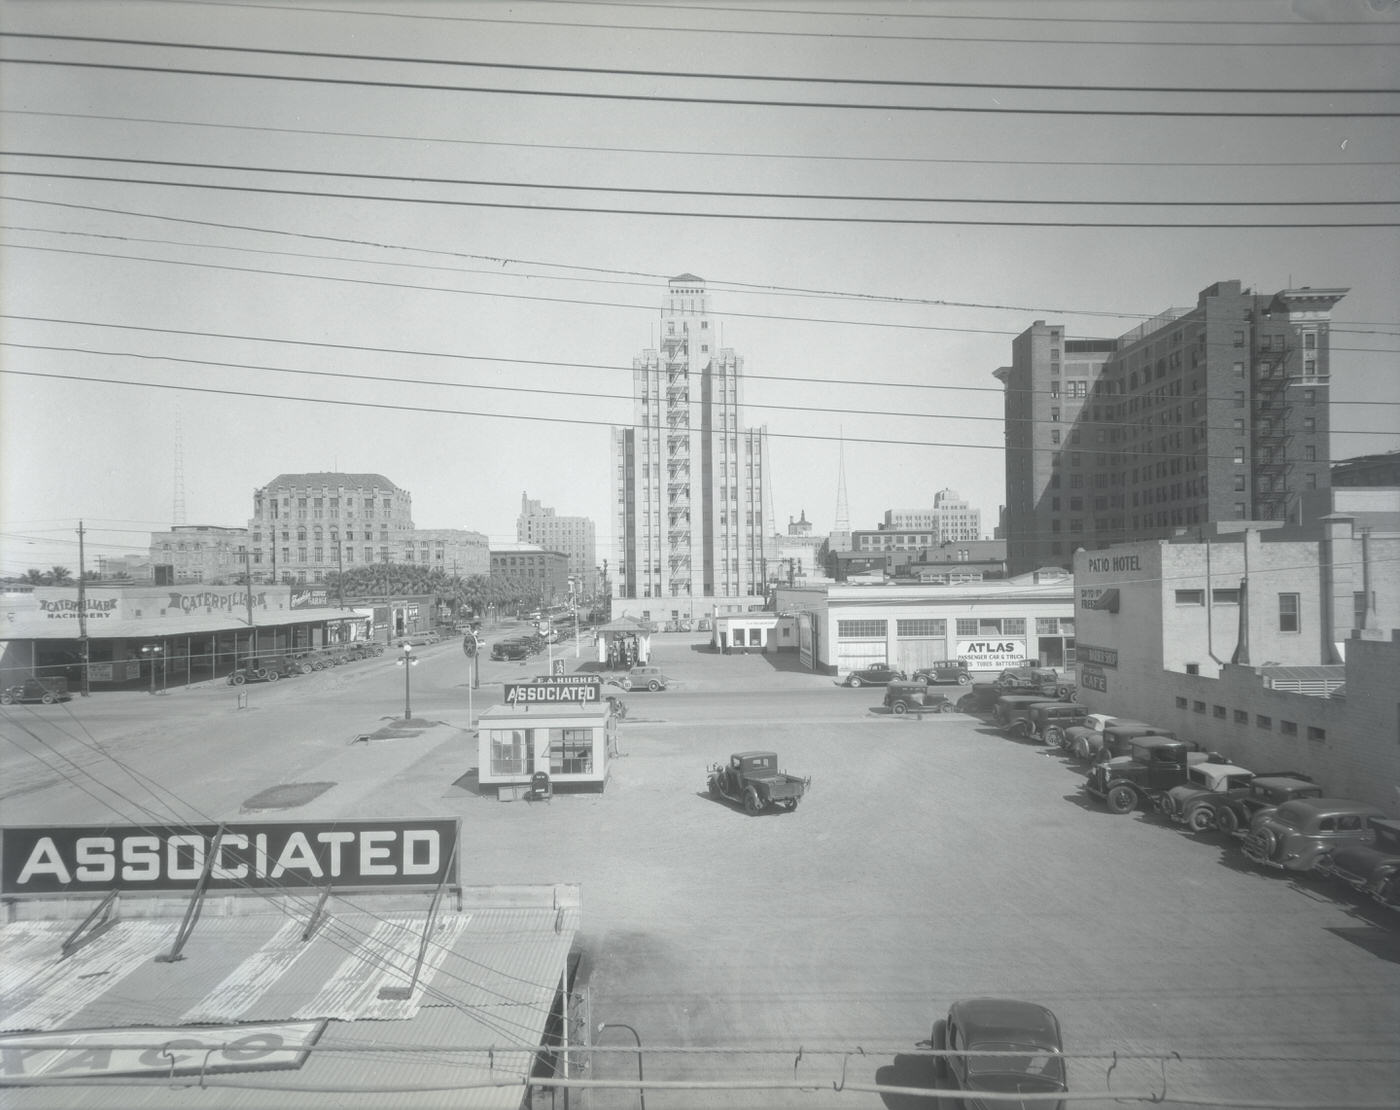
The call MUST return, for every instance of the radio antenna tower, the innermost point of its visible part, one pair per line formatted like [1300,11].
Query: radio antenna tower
[841,531]
[178,512]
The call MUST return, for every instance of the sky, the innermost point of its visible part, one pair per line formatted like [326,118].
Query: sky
[426,240]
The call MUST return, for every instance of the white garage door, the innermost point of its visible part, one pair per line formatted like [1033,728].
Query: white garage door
[916,652]
[852,655]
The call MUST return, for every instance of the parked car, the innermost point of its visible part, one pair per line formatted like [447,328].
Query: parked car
[645,678]
[980,698]
[914,697]
[954,670]
[1093,723]
[1156,764]
[881,674]
[1114,739]
[1235,815]
[1045,680]
[43,691]
[1050,720]
[1028,1033]
[266,670]
[1012,712]
[753,780]
[1299,833]
[510,649]
[1367,867]
[1189,803]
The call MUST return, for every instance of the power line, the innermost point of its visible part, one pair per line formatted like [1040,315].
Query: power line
[650,279]
[419,179]
[999,390]
[765,155]
[651,74]
[572,394]
[780,217]
[789,33]
[726,102]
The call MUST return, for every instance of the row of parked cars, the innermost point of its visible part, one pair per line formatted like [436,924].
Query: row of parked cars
[1281,818]
[272,668]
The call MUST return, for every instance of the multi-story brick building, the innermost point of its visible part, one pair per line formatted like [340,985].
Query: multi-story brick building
[305,526]
[545,573]
[199,553]
[1218,412]
[688,477]
[573,535]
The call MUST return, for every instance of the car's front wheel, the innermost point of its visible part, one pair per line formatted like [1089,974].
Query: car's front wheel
[1198,819]
[964,679]
[238,679]
[653,686]
[1227,821]
[1121,799]
[6,699]
[899,709]
[47,699]
[853,681]
[273,676]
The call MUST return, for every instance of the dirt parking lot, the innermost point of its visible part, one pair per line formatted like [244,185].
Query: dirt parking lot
[933,860]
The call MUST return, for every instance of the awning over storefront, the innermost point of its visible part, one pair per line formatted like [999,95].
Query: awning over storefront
[37,628]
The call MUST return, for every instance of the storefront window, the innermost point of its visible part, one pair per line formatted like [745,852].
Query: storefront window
[508,751]
[570,751]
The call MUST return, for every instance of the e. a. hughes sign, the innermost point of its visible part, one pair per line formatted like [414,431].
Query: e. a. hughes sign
[252,856]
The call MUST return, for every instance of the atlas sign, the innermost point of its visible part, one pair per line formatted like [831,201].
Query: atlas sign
[254,856]
[992,655]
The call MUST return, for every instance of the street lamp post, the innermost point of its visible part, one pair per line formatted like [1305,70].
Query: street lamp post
[407,661]
[641,1091]
[152,652]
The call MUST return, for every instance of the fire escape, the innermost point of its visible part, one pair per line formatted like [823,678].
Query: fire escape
[1271,435]
[678,534]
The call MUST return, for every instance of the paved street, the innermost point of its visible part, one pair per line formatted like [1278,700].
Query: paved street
[933,860]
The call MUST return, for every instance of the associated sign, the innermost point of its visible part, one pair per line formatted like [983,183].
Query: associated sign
[257,856]
[560,689]
[992,655]
[156,1053]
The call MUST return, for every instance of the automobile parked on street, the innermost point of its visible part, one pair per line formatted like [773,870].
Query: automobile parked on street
[1050,720]
[914,697]
[645,678]
[1235,815]
[1093,723]
[1367,867]
[1012,712]
[1114,740]
[881,674]
[36,691]
[1299,833]
[1044,680]
[1029,1036]
[952,671]
[1157,763]
[264,670]
[503,650]
[1189,803]
[753,780]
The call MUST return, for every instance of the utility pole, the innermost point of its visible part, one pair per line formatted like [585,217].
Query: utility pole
[82,613]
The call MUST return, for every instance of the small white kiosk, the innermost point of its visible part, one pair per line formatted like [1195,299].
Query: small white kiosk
[549,727]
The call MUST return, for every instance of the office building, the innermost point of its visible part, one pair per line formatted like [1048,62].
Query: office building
[575,536]
[688,477]
[1217,412]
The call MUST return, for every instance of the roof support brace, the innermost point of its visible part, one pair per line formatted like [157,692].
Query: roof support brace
[316,914]
[196,902]
[399,994]
[94,925]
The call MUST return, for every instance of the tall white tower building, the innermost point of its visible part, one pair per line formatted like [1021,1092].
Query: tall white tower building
[688,477]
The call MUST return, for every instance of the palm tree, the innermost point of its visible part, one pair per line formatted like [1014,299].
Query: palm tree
[60,576]
[33,577]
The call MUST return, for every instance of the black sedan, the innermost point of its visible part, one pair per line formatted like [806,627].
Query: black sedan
[881,674]
[32,690]
[1023,1043]
[952,671]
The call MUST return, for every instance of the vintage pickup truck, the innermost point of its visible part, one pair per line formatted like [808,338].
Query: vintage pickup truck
[753,779]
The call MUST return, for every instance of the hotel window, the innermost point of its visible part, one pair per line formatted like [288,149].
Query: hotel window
[1190,597]
[1288,620]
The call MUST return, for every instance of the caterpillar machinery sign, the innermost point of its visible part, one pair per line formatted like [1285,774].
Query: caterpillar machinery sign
[257,856]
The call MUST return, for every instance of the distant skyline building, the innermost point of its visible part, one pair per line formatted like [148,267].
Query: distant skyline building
[950,520]
[200,553]
[305,526]
[795,556]
[1212,413]
[688,477]
[575,536]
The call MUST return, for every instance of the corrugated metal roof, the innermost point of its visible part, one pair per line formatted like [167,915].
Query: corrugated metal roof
[490,977]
